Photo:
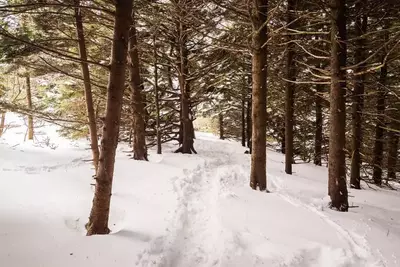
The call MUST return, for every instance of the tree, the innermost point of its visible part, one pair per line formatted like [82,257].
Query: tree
[318,126]
[98,220]
[136,85]
[258,14]
[290,87]
[358,96]
[380,106]
[91,116]
[337,166]
[30,106]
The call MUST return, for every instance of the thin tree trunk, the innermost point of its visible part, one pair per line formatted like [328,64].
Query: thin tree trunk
[282,136]
[290,87]
[156,98]
[221,126]
[30,106]
[318,126]
[258,175]
[135,83]
[248,123]
[94,145]
[380,125]
[393,144]
[243,119]
[2,122]
[358,100]
[337,166]
[98,220]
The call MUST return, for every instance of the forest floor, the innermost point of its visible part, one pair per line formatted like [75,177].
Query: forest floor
[183,210]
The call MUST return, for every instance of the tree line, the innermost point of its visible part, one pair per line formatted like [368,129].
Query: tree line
[317,79]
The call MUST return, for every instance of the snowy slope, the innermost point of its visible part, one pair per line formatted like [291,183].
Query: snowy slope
[184,210]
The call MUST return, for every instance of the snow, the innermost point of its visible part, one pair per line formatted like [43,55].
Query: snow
[183,210]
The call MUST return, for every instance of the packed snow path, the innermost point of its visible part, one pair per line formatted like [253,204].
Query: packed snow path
[186,210]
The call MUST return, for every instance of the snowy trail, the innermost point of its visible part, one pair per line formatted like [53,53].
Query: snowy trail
[359,247]
[196,237]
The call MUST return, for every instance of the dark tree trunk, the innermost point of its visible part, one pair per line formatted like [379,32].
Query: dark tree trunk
[282,136]
[156,98]
[221,126]
[358,100]
[248,123]
[380,125]
[98,220]
[135,82]
[258,175]
[290,87]
[318,126]
[243,119]
[30,106]
[337,166]
[393,144]
[91,116]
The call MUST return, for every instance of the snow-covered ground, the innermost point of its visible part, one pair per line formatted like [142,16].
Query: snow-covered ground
[183,210]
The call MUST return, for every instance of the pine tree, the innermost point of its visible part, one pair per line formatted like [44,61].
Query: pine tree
[99,215]
[337,166]
[258,175]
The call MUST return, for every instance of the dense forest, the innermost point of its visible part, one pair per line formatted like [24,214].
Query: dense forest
[318,80]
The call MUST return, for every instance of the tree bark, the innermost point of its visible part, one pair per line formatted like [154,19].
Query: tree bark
[393,144]
[243,135]
[258,175]
[290,87]
[248,123]
[221,126]
[2,122]
[136,86]
[358,100]
[98,220]
[92,125]
[318,126]
[30,106]
[337,166]
[380,125]
[156,97]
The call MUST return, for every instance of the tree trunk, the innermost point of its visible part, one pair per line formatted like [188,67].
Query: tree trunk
[187,129]
[94,145]
[248,123]
[221,126]
[393,144]
[156,98]
[358,100]
[258,175]
[243,119]
[380,125]
[135,83]
[290,87]
[337,166]
[98,220]
[30,106]
[282,136]
[318,126]
[2,122]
